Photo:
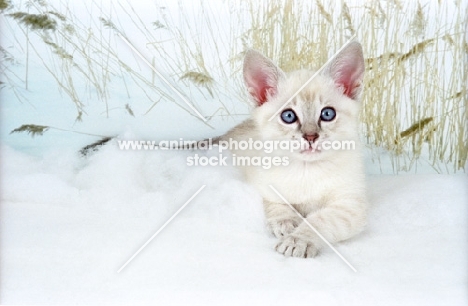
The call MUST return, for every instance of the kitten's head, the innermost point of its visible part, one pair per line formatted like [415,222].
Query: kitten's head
[323,112]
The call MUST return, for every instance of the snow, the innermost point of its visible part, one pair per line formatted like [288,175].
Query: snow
[70,223]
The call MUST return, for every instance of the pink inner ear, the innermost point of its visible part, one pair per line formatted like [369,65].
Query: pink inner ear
[261,76]
[347,80]
[260,88]
[347,70]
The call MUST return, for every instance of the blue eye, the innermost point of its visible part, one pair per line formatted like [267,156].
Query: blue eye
[328,114]
[288,116]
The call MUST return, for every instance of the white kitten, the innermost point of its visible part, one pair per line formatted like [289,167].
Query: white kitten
[325,186]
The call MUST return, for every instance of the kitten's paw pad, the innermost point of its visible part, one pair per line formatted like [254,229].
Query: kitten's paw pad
[296,247]
[282,228]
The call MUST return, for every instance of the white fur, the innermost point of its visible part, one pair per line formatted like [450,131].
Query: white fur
[327,187]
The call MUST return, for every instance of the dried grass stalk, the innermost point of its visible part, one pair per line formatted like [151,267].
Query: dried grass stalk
[31,129]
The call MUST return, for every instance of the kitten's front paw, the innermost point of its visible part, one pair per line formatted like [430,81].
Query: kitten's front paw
[297,247]
[281,228]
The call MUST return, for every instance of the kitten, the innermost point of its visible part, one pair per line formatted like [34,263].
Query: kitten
[326,186]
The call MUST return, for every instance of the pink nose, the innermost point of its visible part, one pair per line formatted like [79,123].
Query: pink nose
[311,137]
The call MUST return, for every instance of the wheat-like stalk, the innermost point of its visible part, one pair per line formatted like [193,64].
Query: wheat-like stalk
[35,21]
[31,129]
[416,127]
[4,4]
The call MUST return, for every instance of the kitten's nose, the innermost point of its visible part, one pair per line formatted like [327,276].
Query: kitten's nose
[311,137]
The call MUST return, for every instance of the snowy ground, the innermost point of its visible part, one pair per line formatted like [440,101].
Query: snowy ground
[68,225]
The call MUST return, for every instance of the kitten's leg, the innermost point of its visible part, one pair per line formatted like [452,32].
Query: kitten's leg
[337,221]
[281,219]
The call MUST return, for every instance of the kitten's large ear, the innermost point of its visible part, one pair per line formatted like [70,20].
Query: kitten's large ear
[347,70]
[261,76]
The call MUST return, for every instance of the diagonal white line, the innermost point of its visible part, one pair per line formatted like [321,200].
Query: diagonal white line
[312,77]
[313,228]
[161,228]
[161,76]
